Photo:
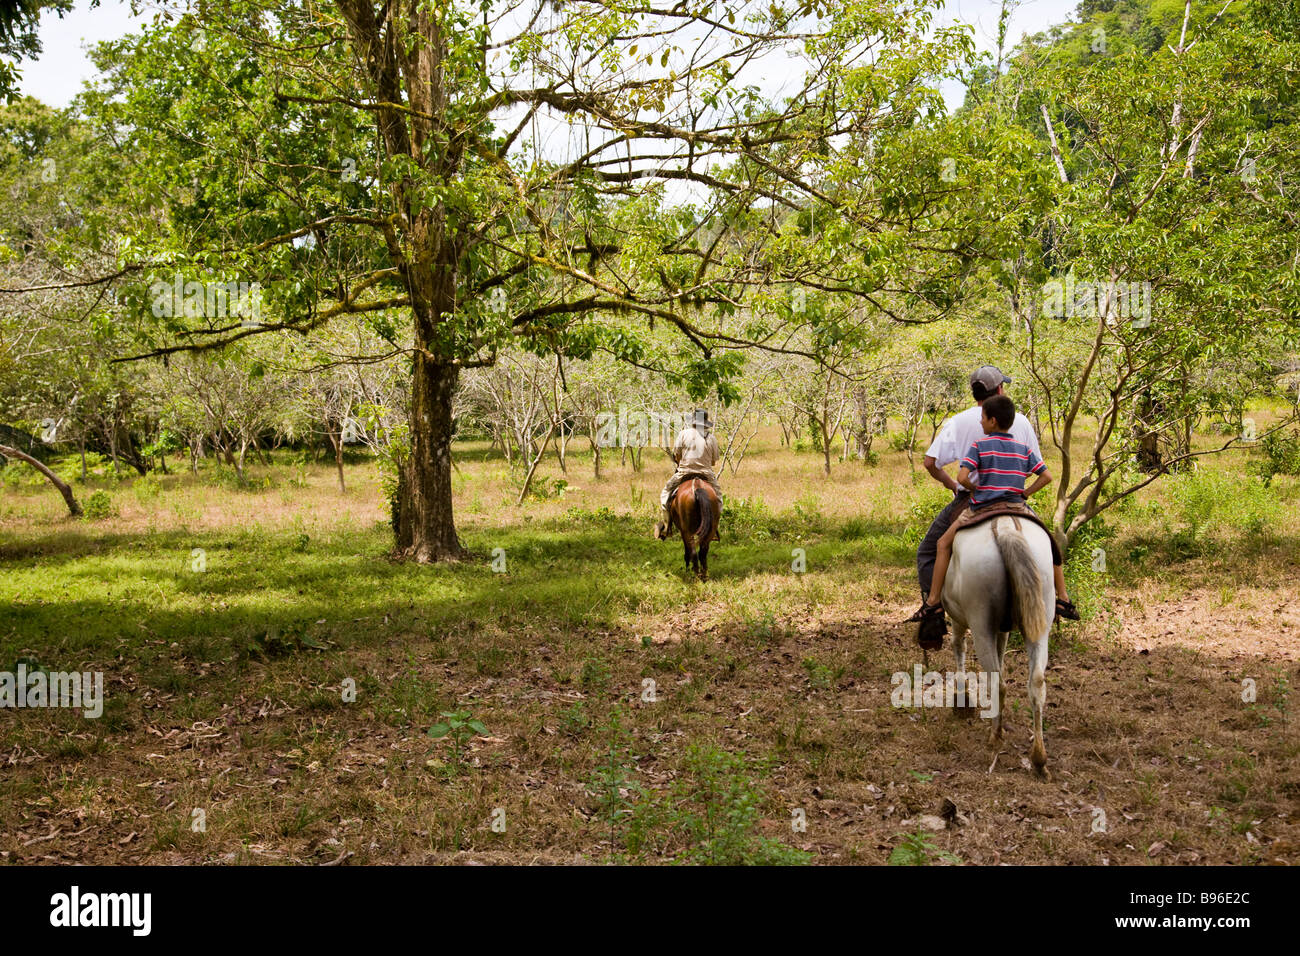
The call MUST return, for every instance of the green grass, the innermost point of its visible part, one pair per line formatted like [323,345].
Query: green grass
[77,595]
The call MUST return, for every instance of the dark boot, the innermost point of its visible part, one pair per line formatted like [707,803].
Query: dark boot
[932,627]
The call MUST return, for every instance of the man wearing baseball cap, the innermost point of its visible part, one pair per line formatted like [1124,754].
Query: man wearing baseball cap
[956,436]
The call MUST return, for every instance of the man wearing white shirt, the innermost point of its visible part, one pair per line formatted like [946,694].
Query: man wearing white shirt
[956,436]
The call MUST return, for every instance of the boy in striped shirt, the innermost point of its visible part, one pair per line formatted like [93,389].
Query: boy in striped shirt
[1001,464]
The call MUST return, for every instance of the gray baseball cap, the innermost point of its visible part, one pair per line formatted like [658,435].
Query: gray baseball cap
[989,378]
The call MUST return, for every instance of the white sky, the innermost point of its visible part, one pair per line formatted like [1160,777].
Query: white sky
[63,66]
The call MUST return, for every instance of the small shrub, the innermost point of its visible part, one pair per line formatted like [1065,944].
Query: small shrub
[807,510]
[147,489]
[1281,456]
[821,677]
[855,529]
[1209,501]
[917,849]
[761,629]
[922,511]
[613,785]
[750,519]
[717,804]
[575,720]
[547,489]
[99,506]
[68,467]
[460,727]
[898,442]
[595,675]
[602,515]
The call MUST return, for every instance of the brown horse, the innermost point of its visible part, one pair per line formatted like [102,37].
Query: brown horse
[695,510]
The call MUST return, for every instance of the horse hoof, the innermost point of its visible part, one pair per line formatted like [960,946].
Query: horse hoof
[1038,758]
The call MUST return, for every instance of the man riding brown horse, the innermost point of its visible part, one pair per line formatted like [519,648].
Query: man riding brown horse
[696,455]
[692,499]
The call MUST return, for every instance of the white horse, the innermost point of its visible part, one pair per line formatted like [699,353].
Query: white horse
[1004,561]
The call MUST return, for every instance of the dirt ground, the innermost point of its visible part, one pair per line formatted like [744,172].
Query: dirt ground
[1155,737]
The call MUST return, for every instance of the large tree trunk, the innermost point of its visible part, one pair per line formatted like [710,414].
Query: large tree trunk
[54,479]
[426,530]
[428,260]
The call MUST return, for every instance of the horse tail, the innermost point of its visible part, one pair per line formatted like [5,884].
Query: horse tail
[1026,587]
[705,508]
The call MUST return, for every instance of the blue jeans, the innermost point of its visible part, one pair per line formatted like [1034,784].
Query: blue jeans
[928,551]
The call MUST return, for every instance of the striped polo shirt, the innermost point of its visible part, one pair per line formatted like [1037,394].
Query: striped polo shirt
[1002,463]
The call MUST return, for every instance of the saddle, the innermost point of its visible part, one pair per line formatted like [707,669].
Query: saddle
[971,517]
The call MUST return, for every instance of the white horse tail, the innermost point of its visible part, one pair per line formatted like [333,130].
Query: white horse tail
[1025,585]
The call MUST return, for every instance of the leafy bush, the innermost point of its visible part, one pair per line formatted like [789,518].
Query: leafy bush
[99,506]
[391,459]
[68,468]
[614,787]
[921,512]
[855,529]
[807,510]
[750,519]
[603,515]
[460,727]
[547,489]
[166,443]
[1207,501]
[148,488]
[595,676]
[898,441]
[1281,452]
